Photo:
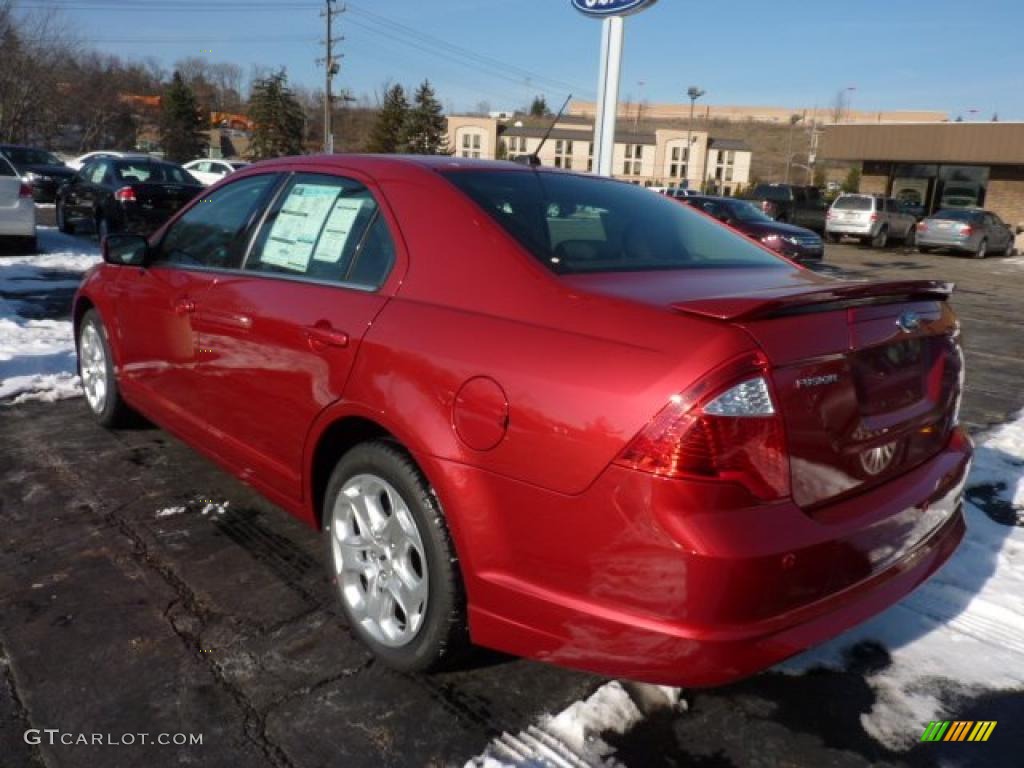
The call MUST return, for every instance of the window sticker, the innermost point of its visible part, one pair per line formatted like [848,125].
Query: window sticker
[297,226]
[336,231]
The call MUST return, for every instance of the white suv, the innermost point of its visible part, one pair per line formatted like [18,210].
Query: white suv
[871,219]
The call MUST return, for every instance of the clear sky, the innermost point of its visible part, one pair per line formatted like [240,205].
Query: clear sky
[945,55]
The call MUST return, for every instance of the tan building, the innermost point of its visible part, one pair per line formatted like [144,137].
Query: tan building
[934,166]
[780,115]
[645,153]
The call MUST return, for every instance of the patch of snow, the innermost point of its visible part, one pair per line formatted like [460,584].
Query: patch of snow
[37,357]
[572,738]
[170,512]
[962,632]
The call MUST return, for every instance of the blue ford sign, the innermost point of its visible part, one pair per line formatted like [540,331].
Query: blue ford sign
[599,8]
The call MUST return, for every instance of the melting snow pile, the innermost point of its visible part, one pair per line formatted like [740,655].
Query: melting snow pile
[37,356]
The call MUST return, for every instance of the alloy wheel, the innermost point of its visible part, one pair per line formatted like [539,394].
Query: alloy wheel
[93,364]
[379,560]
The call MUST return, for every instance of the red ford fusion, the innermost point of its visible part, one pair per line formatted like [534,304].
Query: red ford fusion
[543,412]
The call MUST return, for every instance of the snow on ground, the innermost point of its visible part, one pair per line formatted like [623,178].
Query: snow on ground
[962,632]
[37,354]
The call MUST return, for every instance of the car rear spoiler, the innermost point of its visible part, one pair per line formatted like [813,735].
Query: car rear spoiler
[795,301]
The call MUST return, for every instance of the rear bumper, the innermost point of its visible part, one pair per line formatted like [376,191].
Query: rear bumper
[19,220]
[660,581]
[854,230]
[954,244]
[140,220]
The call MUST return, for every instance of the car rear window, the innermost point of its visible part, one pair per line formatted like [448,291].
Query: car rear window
[853,203]
[579,224]
[154,173]
[958,215]
[768,192]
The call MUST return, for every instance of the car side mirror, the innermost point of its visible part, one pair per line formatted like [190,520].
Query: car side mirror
[125,250]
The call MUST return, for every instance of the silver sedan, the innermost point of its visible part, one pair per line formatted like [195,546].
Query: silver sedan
[968,230]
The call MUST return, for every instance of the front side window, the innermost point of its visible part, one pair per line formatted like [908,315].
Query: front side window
[210,233]
[579,224]
[325,228]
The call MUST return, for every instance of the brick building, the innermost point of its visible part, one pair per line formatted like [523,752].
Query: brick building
[938,165]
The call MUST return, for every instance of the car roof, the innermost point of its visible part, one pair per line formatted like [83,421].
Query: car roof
[384,162]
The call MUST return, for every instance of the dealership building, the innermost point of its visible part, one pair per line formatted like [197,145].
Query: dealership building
[649,153]
[932,166]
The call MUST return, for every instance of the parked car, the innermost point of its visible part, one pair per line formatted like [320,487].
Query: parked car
[77,163]
[681,192]
[546,412]
[872,219]
[43,170]
[791,204]
[17,210]
[212,171]
[966,230]
[794,243]
[124,195]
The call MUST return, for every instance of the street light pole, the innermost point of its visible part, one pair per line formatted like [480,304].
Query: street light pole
[793,120]
[694,93]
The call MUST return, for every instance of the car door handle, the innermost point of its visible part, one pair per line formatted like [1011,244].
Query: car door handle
[184,307]
[325,336]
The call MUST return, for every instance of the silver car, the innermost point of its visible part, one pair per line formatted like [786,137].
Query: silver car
[872,219]
[968,230]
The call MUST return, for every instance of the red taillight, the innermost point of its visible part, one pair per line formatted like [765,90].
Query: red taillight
[24,190]
[874,217]
[922,226]
[125,195]
[966,230]
[830,215]
[726,428]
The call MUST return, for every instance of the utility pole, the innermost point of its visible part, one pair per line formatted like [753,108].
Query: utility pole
[331,67]
[694,93]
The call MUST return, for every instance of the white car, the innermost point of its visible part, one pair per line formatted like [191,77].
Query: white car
[78,162]
[17,210]
[210,171]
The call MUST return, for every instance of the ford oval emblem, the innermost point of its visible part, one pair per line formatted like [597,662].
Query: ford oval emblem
[600,8]
[909,322]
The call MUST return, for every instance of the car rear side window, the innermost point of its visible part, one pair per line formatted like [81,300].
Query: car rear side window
[6,169]
[324,228]
[209,234]
[575,224]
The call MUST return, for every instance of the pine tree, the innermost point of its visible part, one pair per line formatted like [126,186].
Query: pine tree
[387,134]
[425,131]
[181,123]
[852,183]
[278,118]
[539,107]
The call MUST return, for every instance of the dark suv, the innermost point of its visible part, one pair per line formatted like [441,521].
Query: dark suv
[792,204]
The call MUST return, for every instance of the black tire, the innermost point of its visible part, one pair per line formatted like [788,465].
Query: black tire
[1011,247]
[982,251]
[911,237]
[443,636]
[103,227]
[833,237]
[925,249]
[881,240]
[63,224]
[115,412]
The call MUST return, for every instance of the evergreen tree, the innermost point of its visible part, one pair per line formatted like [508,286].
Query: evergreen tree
[181,123]
[539,107]
[426,131]
[852,183]
[387,134]
[278,118]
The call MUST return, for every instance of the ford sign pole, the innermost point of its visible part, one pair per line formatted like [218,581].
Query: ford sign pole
[612,36]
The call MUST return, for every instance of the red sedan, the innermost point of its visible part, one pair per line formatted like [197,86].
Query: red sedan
[543,412]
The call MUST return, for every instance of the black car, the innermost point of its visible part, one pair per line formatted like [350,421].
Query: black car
[42,170]
[795,243]
[114,194]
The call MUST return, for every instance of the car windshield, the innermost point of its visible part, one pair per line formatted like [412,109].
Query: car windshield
[578,224]
[853,203]
[154,173]
[958,215]
[26,156]
[744,211]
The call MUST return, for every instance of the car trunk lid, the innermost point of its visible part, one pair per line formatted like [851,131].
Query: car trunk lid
[164,197]
[867,376]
